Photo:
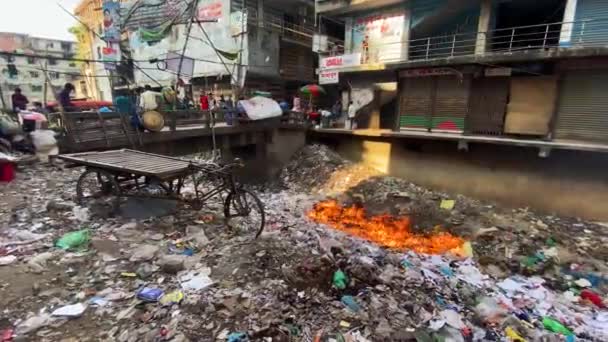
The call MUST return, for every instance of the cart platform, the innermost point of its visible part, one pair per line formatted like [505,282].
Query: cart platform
[132,162]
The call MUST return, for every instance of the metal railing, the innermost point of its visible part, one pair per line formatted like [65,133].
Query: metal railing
[560,35]
[302,33]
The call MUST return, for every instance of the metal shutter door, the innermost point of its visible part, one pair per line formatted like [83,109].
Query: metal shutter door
[415,102]
[451,104]
[582,112]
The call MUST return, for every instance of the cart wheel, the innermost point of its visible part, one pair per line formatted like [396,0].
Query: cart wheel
[98,188]
[244,211]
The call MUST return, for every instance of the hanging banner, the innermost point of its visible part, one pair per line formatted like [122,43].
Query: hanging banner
[111,21]
[343,61]
[238,23]
[379,37]
[110,57]
[209,10]
[329,77]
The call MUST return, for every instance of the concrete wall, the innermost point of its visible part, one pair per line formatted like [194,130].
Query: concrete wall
[568,183]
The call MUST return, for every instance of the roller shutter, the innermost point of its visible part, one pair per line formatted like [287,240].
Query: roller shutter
[451,104]
[415,102]
[582,112]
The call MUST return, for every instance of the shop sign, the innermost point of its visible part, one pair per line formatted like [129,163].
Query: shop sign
[426,72]
[494,72]
[343,61]
[329,77]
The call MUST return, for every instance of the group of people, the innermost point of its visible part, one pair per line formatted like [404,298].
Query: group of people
[20,101]
[336,112]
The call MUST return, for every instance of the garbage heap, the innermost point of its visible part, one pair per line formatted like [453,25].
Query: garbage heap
[76,274]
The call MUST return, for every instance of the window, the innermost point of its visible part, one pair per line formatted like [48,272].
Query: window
[54,75]
[31,60]
[36,88]
[98,52]
[72,65]
[34,74]
[52,61]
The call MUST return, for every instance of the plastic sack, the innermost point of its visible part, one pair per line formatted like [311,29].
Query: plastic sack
[8,126]
[260,108]
[74,240]
[45,143]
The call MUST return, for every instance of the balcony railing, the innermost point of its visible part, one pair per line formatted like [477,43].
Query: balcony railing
[302,33]
[577,34]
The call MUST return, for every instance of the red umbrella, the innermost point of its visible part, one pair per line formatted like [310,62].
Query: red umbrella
[312,89]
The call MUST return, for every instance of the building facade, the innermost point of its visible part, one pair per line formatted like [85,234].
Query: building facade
[90,44]
[22,58]
[495,69]
[256,45]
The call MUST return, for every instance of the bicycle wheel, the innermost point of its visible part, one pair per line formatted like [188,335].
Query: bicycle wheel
[244,210]
[98,188]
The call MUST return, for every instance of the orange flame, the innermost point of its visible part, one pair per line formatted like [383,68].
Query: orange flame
[385,230]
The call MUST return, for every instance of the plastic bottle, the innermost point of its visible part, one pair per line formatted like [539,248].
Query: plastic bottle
[556,327]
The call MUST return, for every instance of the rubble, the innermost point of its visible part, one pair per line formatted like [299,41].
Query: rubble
[186,277]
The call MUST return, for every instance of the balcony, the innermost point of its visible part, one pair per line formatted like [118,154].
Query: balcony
[339,7]
[577,38]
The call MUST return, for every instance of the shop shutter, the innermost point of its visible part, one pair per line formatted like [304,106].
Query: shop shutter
[415,102]
[451,104]
[582,112]
[488,105]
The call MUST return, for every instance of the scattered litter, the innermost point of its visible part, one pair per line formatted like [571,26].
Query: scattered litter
[71,311]
[148,294]
[171,298]
[447,204]
[7,260]
[78,240]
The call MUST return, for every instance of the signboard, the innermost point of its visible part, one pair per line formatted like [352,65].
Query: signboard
[111,21]
[379,37]
[110,57]
[493,72]
[329,77]
[426,72]
[238,23]
[209,10]
[342,61]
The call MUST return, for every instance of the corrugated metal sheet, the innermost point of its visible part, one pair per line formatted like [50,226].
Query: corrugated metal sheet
[152,13]
[592,31]
[582,112]
[416,102]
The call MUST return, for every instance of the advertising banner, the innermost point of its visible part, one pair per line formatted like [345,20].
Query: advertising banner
[379,37]
[111,21]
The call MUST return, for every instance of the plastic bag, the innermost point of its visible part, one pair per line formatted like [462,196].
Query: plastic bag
[8,126]
[74,240]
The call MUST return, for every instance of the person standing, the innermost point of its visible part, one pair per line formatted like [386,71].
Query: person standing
[352,113]
[65,98]
[19,100]
[149,99]
[204,101]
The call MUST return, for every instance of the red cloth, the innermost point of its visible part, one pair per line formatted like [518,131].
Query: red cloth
[314,115]
[7,172]
[204,99]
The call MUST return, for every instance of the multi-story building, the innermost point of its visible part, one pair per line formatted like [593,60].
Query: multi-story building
[90,43]
[256,44]
[22,58]
[476,70]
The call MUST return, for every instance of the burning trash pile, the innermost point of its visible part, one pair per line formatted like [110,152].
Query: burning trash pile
[383,259]
[387,231]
